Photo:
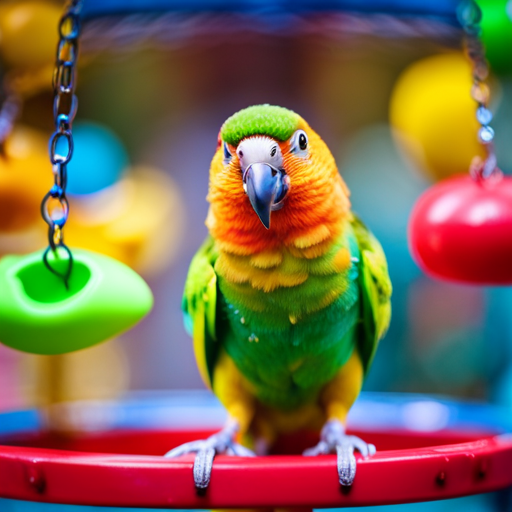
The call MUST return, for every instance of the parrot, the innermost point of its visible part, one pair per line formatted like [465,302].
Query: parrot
[287,298]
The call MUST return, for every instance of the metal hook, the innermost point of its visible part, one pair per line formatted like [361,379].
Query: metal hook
[66,275]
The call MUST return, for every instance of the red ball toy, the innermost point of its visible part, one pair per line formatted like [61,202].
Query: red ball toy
[461,230]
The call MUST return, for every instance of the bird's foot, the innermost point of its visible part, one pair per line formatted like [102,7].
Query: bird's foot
[222,442]
[334,440]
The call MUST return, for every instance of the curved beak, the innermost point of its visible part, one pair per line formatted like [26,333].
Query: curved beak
[264,184]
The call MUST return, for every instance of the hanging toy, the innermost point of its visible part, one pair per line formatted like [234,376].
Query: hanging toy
[497,34]
[38,314]
[461,228]
[433,117]
[27,28]
[28,40]
[57,301]
[22,183]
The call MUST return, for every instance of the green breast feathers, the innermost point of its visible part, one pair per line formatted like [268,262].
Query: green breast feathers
[289,328]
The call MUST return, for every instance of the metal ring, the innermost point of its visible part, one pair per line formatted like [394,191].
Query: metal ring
[60,175]
[71,111]
[66,275]
[63,203]
[45,213]
[44,210]
[74,20]
[70,45]
[62,123]
[64,77]
[56,192]
[54,156]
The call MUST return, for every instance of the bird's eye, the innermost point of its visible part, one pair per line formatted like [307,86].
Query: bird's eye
[299,143]
[227,154]
[303,141]
[273,151]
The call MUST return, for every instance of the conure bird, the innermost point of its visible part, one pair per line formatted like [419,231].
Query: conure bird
[289,295]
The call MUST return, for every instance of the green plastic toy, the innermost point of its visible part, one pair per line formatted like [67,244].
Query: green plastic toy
[497,34]
[39,315]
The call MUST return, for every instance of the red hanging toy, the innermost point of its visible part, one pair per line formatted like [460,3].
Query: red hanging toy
[461,228]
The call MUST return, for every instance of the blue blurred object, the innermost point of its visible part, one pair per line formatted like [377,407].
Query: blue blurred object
[197,409]
[443,10]
[482,503]
[98,161]
[503,391]
[479,503]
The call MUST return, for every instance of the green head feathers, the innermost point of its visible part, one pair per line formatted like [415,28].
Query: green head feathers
[276,122]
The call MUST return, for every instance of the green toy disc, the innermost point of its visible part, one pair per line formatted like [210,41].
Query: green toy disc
[497,34]
[39,315]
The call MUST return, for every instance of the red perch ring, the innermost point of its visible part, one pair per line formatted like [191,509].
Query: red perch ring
[428,449]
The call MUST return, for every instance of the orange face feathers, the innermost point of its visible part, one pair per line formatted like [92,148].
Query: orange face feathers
[309,200]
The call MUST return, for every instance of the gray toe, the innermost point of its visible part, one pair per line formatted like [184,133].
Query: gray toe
[203,464]
[346,464]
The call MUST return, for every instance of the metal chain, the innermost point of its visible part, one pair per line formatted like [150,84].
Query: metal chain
[470,16]
[55,207]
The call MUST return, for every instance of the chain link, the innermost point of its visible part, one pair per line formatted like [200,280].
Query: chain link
[470,17]
[55,206]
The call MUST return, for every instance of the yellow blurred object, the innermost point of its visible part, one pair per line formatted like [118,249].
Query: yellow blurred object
[28,43]
[100,372]
[138,221]
[25,176]
[29,32]
[27,82]
[433,115]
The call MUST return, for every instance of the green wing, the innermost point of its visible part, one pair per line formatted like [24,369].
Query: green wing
[375,292]
[200,308]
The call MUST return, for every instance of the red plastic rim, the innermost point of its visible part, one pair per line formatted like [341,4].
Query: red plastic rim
[90,469]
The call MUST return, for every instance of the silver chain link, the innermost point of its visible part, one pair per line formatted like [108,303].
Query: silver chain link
[470,16]
[55,206]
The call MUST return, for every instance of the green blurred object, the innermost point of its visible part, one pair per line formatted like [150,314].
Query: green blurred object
[497,34]
[39,315]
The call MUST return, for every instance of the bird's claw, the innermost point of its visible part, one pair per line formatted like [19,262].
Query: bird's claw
[205,450]
[346,461]
[333,439]
[203,464]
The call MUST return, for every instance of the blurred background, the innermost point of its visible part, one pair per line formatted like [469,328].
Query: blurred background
[390,95]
